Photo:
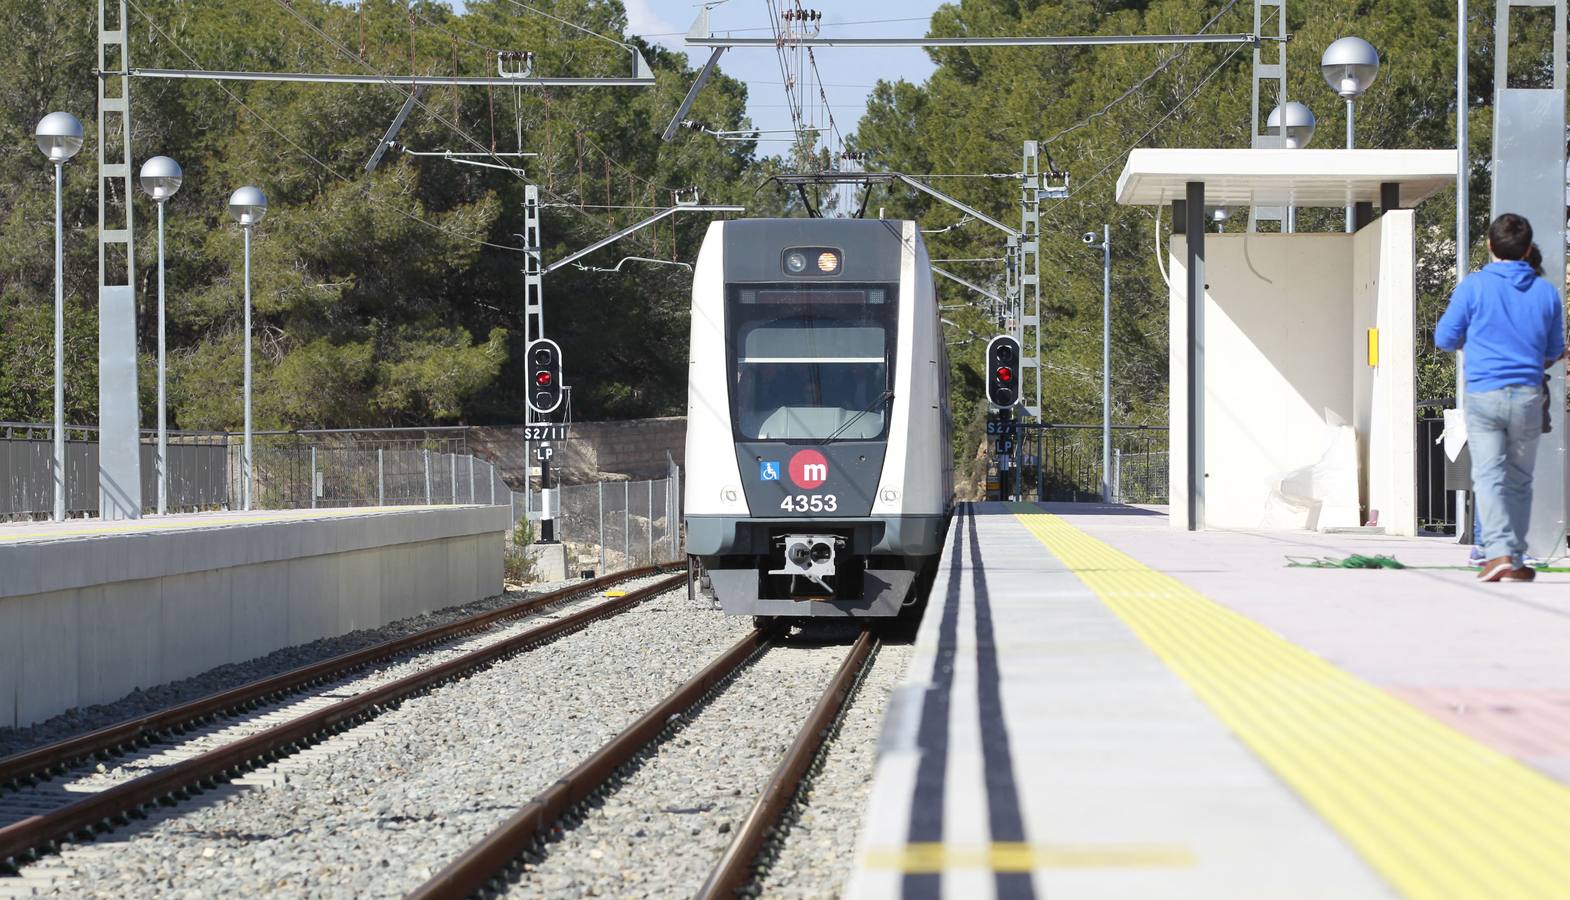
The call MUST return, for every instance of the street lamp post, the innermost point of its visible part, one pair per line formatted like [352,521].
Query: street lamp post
[1106,355]
[161,177]
[1350,65]
[59,136]
[247,205]
[1299,124]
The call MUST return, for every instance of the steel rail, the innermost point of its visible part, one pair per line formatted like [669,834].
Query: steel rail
[734,869]
[36,764]
[486,862]
[96,812]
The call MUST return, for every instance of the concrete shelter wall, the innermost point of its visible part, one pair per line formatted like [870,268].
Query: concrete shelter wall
[1276,362]
[1386,394]
[1284,342]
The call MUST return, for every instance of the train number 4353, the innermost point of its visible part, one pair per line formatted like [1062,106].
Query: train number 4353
[810,503]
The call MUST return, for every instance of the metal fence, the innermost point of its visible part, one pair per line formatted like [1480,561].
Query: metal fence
[612,525]
[292,470]
[198,477]
[1436,499]
[1070,463]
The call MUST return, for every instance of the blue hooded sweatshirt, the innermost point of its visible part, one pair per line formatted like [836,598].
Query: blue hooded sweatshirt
[1509,321]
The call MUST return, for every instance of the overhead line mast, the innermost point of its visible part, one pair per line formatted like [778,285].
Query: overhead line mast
[120,460]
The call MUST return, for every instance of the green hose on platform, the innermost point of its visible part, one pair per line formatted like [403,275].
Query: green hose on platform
[1355,561]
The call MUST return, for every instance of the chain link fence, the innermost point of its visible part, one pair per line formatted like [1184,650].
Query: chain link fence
[605,526]
[611,525]
[291,470]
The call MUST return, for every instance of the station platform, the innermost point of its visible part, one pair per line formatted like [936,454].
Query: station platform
[1100,706]
[91,610]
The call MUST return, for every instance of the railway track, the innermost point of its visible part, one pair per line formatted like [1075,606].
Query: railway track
[487,865]
[256,724]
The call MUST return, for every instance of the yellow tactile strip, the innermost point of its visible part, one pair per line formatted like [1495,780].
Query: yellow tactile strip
[210,520]
[1433,811]
[928,858]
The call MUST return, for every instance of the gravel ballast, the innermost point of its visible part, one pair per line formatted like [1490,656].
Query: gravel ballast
[95,776]
[814,856]
[377,810]
[661,831]
[144,701]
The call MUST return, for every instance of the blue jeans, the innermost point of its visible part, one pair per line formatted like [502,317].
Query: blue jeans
[1502,428]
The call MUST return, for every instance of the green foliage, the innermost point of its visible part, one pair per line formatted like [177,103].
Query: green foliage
[389,299]
[972,115]
[397,298]
[518,566]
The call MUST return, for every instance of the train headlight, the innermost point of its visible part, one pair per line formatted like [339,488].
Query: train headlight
[812,262]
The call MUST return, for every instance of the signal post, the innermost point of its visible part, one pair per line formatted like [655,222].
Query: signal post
[1003,393]
[545,397]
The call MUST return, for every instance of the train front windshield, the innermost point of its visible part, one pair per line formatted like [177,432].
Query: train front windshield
[811,362]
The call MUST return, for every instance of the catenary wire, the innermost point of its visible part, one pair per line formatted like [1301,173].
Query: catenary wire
[267,123]
[588,31]
[1117,160]
[392,81]
[1160,67]
[769,27]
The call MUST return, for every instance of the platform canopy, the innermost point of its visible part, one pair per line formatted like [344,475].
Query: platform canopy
[1275,177]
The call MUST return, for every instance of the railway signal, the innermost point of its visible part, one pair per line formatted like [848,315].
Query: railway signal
[545,388]
[1003,371]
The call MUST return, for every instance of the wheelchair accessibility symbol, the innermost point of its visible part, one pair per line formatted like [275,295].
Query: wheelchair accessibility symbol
[769,471]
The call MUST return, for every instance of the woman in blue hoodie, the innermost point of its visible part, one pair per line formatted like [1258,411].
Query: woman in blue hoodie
[1511,324]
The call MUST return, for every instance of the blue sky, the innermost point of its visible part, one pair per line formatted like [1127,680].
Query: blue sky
[847,75]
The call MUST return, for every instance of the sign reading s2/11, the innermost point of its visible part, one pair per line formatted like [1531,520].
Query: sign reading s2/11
[556,432]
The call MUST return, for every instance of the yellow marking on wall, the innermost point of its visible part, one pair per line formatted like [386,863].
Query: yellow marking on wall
[1433,811]
[928,858]
[211,520]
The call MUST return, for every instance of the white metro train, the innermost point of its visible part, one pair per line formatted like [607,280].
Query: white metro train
[819,475]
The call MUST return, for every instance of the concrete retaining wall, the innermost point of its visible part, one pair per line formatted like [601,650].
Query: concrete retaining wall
[87,620]
[595,451]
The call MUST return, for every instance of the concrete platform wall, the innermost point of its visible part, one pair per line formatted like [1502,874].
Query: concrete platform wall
[85,621]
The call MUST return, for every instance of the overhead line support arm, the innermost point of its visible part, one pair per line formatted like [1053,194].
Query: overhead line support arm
[962,207]
[977,288]
[397,80]
[686,207]
[1068,40]
[692,94]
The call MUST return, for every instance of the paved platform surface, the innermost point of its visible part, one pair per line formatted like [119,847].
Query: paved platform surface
[28,532]
[1101,706]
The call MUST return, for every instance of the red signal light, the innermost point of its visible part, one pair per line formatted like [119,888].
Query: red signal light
[1005,374]
[543,379]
